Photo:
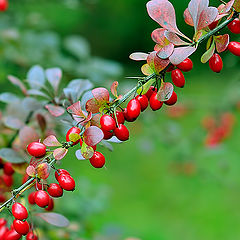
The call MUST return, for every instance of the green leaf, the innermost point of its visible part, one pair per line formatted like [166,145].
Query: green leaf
[208,54]
[9,155]
[86,151]
[142,90]
[8,97]
[36,77]
[74,137]
[236,5]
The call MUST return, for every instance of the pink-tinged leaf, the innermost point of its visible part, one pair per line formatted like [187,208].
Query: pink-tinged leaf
[207,17]
[54,219]
[174,39]
[35,161]
[101,94]
[95,121]
[165,91]
[180,54]
[138,56]
[86,151]
[114,89]
[226,8]
[166,51]
[92,136]
[27,135]
[208,54]
[146,70]
[41,122]
[54,76]
[79,155]
[236,5]
[51,141]
[222,42]
[31,171]
[17,82]
[43,170]
[157,47]
[83,121]
[159,37]
[92,106]
[56,111]
[59,153]
[157,64]
[76,109]
[188,18]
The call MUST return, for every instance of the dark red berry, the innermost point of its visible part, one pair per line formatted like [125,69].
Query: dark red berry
[215,63]
[154,103]
[170,68]
[21,227]
[126,116]
[213,25]
[31,236]
[186,65]
[19,211]
[120,117]
[97,160]
[121,132]
[31,198]
[234,48]
[150,91]
[41,198]
[59,172]
[8,169]
[3,5]
[66,182]
[133,108]
[2,198]
[234,26]
[178,78]
[8,180]
[50,205]
[172,100]
[107,123]
[36,149]
[12,235]
[54,190]
[107,135]
[73,130]
[143,100]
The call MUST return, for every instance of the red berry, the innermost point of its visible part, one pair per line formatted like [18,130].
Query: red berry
[143,100]
[3,222]
[21,227]
[2,198]
[31,236]
[25,178]
[3,232]
[41,198]
[186,65]
[150,91]
[12,235]
[120,117]
[97,160]
[234,26]
[73,130]
[59,172]
[31,198]
[213,25]
[154,103]
[122,132]
[8,169]
[215,63]
[133,108]
[172,100]
[50,205]
[66,182]
[39,186]
[107,123]
[178,78]
[36,149]
[3,5]
[107,135]
[170,68]
[8,180]
[126,116]
[54,190]
[234,48]
[19,211]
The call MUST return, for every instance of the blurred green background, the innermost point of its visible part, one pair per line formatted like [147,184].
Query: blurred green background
[163,184]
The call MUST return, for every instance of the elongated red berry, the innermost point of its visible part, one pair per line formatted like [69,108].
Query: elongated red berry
[154,103]
[8,169]
[31,236]
[36,149]
[3,5]
[234,26]
[41,198]
[186,65]
[121,132]
[21,227]
[133,108]
[3,231]
[120,117]
[234,48]
[143,100]
[31,198]
[50,205]
[75,130]
[150,91]
[19,211]
[59,172]
[97,160]
[3,222]
[178,78]
[107,135]
[8,180]
[127,117]
[215,63]
[12,235]
[54,190]
[66,182]
[107,123]
[172,100]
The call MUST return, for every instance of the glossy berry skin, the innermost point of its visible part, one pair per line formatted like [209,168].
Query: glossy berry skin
[36,149]
[3,231]
[21,227]
[215,63]
[19,211]
[3,5]
[31,236]
[154,103]
[178,78]
[31,199]
[8,180]
[50,205]
[143,100]
[186,65]
[2,222]
[59,172]
[66,182]
[126,116]
[8,169]
[120,117]
[133,108]
[41,198]
[150,91]
[107,123]
[54,190]
[70,131]
[97,160]
[234,48]
[234,26]
[121,132]
[12,235]
[172,100]
[107,134]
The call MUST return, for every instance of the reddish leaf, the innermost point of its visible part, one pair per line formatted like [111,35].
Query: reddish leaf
[114,89]
[157,64]
[95,121]
[236,5]
[54,219]
[147,70]
[51,141]
[207,17]
[138,56]
[180,54]
[188,18]
[76,109]
[43,170]
[35,161]
[54,76]
[27,135]
[159,37]
[174,39]
[18,83]
[222,42]
[92,136]
[166,51]
[31,171]
[92,106]
[101,94]
[229,5]
[56,111]
[41,122]
[60,153]
[165,91]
